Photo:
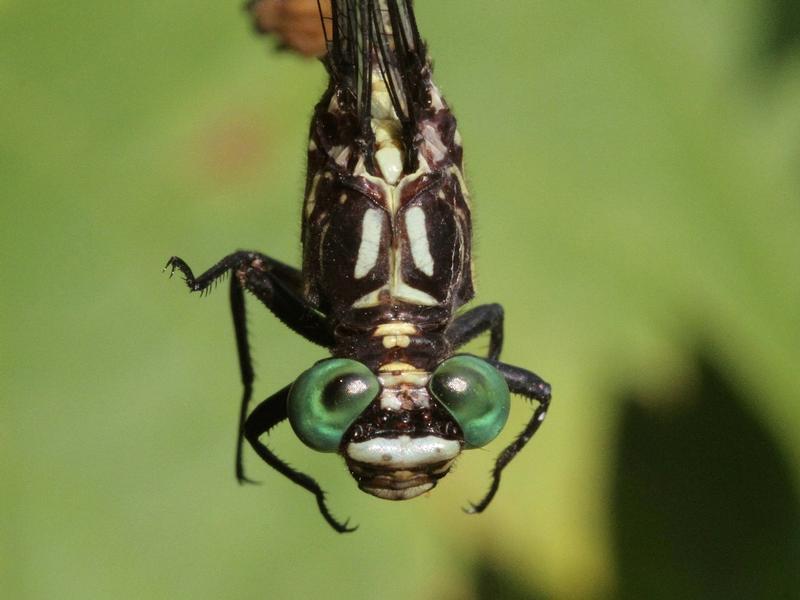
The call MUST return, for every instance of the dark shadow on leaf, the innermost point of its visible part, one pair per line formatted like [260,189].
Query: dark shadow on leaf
[704,505]
[491,582]
[782,27]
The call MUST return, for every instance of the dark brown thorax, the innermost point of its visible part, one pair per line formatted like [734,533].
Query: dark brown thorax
[386,218]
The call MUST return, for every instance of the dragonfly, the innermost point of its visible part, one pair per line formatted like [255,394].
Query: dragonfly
[386,269]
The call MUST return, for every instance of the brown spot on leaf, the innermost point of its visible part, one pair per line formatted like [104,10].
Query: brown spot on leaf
[231,149]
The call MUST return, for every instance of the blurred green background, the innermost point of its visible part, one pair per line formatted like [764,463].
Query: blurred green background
[634,170]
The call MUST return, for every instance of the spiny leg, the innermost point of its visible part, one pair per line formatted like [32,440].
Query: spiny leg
[531,386]
[237,260]
[277,286]
[265,416]
[474,322]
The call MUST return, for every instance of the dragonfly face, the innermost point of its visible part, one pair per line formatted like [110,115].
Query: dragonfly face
[399,432]
[386,232]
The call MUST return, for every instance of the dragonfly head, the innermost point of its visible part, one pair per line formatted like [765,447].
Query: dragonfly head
[399,432]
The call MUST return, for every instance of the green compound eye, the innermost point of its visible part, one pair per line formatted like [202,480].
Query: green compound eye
[476,394]
[326,399]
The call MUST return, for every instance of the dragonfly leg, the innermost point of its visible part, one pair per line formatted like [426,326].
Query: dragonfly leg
[277,286]
[263,418]
[245,369]
[532,387]
[487,317]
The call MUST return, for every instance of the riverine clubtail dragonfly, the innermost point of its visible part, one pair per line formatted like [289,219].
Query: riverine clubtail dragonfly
[386,235]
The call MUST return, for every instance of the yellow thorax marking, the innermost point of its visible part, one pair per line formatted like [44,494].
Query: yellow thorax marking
[390,341]
[395,328]
[398,366]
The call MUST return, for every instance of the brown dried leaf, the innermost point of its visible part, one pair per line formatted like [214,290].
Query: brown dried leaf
[295,23]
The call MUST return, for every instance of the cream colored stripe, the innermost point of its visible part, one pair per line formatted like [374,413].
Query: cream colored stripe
[418,238]
[371,228]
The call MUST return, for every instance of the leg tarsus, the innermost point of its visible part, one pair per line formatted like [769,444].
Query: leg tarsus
[176,263]
[263,418]
[232,262]
[532,387]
